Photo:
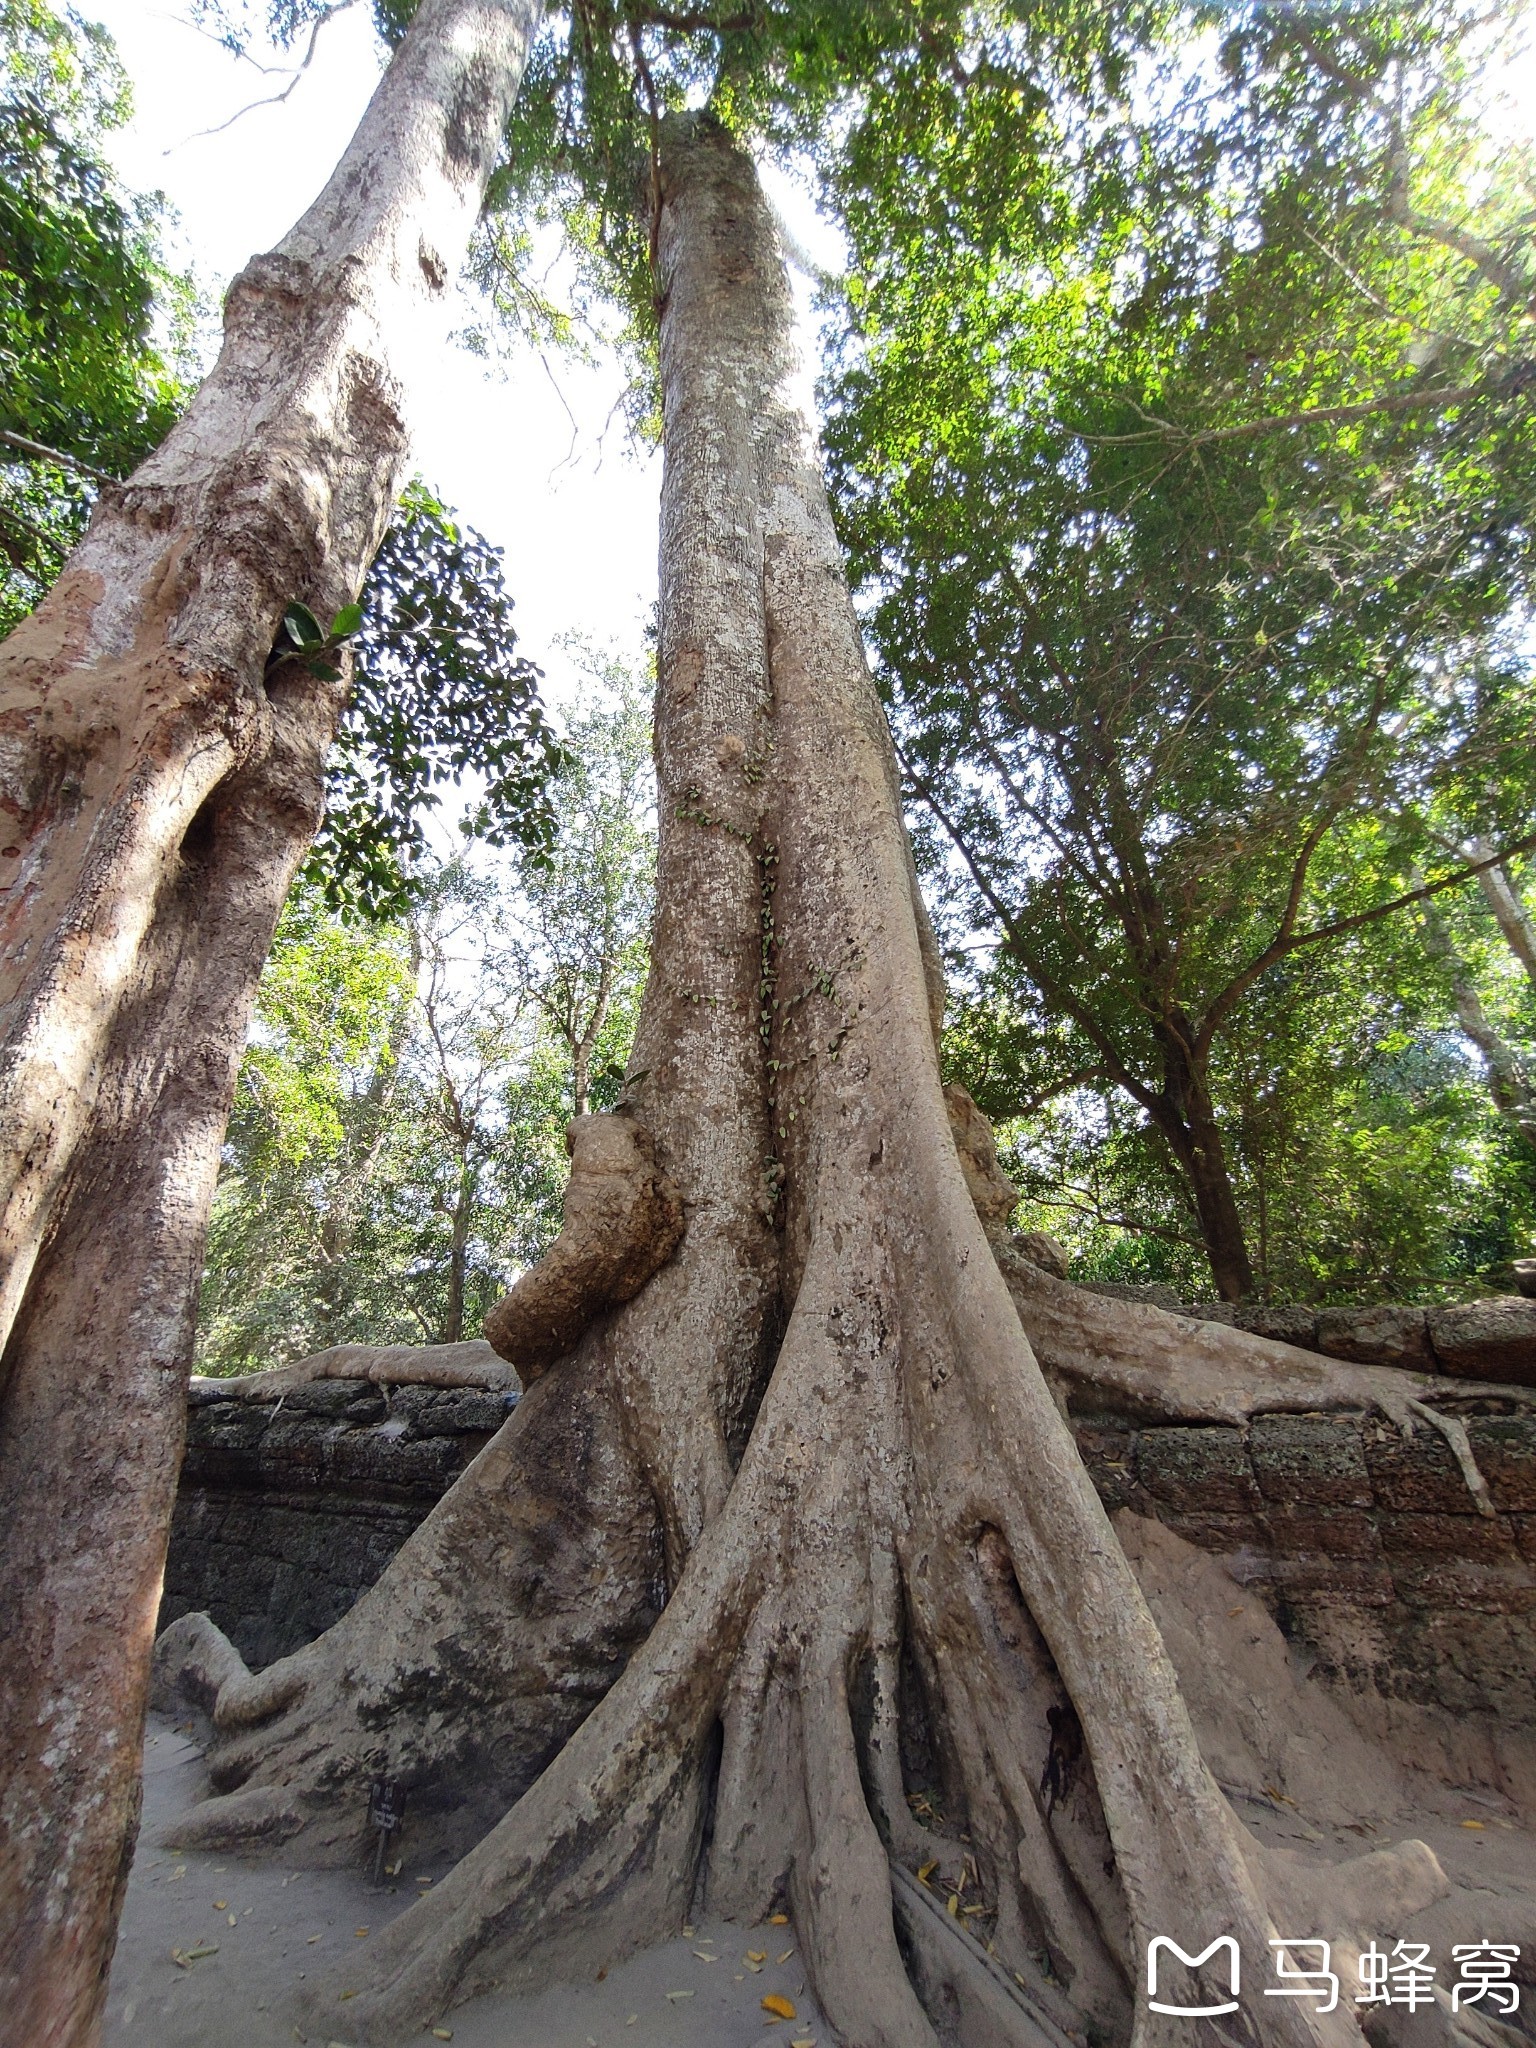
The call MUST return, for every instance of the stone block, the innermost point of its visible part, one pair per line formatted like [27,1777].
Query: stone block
[1309,1458]
[1388,1335]
[1202,1470]
[451,1411]
[1472,1537]
[1505,1449]
[1230,1536]
[1214,1312]
[1323,1530]
[1415,1474]
[1154,1293]
[1467,1586]
[1362,1581]
[1280,1325]
[1487,1340]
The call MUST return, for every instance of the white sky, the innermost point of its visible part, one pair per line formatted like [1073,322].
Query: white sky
[551,478]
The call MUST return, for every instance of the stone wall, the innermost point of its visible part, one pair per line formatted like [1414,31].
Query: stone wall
[1365,1545]
[289,1510]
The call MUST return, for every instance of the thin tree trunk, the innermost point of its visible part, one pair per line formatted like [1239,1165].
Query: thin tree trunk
[1509,1084]
[160,784]
[1505,901]
[458,1257]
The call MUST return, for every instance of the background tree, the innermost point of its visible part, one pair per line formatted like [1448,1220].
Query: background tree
[1191,514]
[397,1153]
[94,326]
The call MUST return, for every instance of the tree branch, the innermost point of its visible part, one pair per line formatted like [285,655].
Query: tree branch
[44,453]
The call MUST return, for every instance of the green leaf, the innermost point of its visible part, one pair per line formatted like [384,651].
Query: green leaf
[346,622]
[301,625]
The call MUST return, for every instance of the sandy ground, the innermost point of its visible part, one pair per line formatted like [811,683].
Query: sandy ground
[265,1931]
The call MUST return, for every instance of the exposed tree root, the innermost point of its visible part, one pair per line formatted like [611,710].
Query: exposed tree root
[1110,1355]
[472,1364]
[506,1615]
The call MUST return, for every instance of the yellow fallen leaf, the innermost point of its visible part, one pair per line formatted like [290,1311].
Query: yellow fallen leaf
[442,2033]
[802,2044]
[219,1905]
[786,1955]
[687,1934]
[755,1968]
[954,1904]
[927,1871]
[346,1995]
[780,2007]
[969,1910]
[1471,1823]
[757,1955]
[778,1919]
[359,1932]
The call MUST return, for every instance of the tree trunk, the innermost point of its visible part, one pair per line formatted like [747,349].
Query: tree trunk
[1509,1084]
[1508,907]
[907,1588]
[458,1257]
[160,783]
[1186,1116]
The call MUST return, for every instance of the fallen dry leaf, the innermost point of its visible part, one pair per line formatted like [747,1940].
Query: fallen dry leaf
[778,1919]
[779,2006]
[442,2033]
[757,1955]
[676,1995]
[312,1940]
[704,1956]
[210,1948]
[359,1932]
[954,1904]
[802,2044]
[1472,1823]
[220,1905]
[786,1955]
[234,1920]
[927,1871]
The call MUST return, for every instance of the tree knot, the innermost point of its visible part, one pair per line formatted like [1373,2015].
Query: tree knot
[623,1221]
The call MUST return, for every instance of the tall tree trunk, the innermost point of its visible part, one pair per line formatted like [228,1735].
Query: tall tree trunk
[1509,1083]
[1186,1116]
[1507,905]
[160,783]
[909,1580]
[458,1256]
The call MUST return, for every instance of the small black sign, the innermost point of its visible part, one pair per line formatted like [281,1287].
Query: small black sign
[386,1804]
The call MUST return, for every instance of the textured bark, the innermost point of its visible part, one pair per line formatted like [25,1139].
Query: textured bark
[159,784]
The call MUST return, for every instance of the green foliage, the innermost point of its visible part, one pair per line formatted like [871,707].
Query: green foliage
[93,327]
[438,692]
[397,1150]
[1187,472]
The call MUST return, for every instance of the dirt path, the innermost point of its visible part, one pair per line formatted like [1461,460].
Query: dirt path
[265,1932]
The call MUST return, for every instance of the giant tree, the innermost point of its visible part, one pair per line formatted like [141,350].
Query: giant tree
[166,714]
[788,1523]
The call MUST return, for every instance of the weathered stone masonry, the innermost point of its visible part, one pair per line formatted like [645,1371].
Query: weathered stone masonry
[1365,1545]
[289,1510]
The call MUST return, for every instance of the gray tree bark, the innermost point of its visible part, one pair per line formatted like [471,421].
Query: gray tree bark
[159,783]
